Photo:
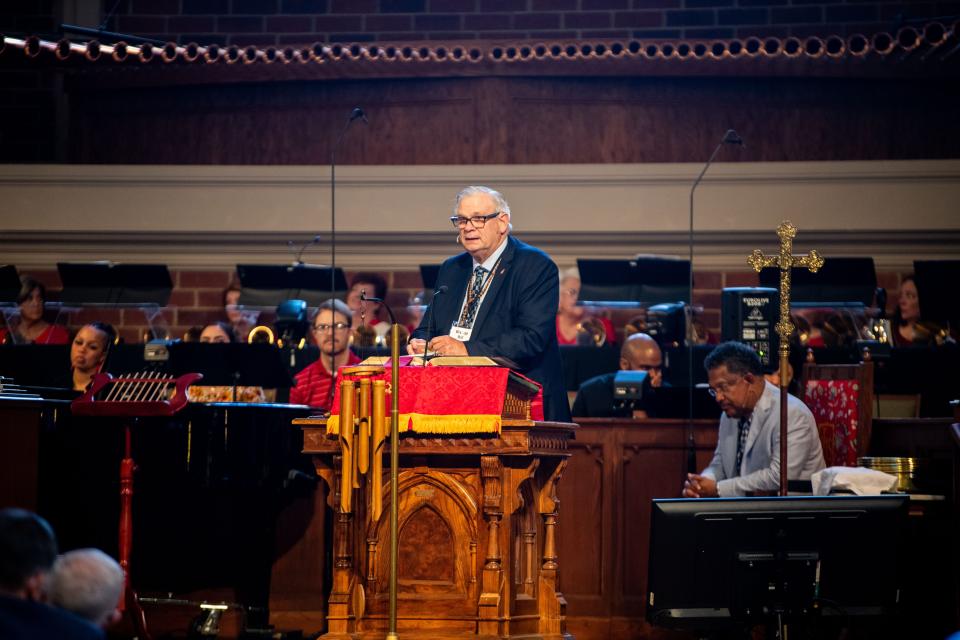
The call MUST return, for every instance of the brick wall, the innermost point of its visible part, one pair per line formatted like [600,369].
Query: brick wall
[197,295]
[293,21]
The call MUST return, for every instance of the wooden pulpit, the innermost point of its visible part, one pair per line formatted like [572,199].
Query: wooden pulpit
[477,520]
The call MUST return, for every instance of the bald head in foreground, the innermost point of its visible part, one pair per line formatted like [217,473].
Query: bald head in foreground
[89,583]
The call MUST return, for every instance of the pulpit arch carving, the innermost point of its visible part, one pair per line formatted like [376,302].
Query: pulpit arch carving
[442,566]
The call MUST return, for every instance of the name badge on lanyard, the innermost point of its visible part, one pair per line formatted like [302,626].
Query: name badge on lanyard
[460,333]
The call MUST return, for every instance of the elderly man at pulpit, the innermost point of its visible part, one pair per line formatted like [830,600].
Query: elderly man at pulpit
[497,299]
[747,458]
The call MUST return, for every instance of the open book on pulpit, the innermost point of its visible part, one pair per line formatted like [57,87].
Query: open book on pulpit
[445,361]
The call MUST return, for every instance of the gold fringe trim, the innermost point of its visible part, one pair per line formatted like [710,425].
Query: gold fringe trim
[425,423]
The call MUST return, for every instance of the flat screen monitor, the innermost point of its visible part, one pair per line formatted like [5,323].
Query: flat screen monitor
[721,561]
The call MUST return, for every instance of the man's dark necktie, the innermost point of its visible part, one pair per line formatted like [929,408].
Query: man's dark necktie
[744,425]
[473,299]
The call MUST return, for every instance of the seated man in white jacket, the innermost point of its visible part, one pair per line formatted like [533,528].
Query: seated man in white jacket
[747,458]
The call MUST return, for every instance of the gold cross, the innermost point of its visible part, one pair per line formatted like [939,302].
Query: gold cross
[785,260]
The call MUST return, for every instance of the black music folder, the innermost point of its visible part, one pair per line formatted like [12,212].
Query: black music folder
[936,282]
[428,275]
[9,284]
[267,285]
[107,283]
[248,365]
[642,281]
[839,281]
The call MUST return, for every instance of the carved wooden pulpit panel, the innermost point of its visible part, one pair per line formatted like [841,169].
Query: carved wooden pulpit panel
[477,520]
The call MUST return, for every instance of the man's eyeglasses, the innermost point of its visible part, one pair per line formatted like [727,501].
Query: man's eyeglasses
[723,389]
[477,222]
[649,368]
[325,328]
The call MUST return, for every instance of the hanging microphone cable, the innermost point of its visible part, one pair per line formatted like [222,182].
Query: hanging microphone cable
[730,137]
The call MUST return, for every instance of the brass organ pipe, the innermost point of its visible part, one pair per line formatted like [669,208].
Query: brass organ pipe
[363,430]
[379,426]
[347,397]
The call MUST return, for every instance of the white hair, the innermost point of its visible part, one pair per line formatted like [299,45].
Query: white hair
[572,272]
[88,583]
[502,205]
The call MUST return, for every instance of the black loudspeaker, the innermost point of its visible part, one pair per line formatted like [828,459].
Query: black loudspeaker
[749,315]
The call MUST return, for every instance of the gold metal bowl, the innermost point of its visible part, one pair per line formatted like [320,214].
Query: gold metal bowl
[905,469]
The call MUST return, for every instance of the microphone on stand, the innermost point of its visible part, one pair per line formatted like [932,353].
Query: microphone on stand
[365,298]
[356,114]
[441,289]
[730,137]
[298,260]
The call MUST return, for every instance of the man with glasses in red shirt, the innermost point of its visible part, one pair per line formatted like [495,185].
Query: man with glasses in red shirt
[747,458]
[331,332]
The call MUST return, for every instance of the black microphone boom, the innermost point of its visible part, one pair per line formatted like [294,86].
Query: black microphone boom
[365,298]
[730,137]
[441,289]
[333,206]
[358,114]
[299,258]
[355,114]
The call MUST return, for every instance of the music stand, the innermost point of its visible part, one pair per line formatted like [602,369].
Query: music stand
[146,287]
[428,275]
[9,284]
[626,284]
[267,285]
[106,283]
[936,281]
[838,283]
[236,364]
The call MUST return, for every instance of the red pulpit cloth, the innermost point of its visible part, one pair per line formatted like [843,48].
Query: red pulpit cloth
[445,400]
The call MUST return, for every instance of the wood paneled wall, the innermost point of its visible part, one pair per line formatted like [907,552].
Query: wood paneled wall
[498,120]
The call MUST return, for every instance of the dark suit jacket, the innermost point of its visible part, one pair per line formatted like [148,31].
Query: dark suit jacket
[595,398]
[516,320]
[26,620]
